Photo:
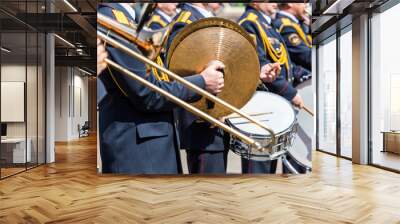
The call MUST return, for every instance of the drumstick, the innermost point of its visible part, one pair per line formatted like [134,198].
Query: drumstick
[308,111]
[255,114]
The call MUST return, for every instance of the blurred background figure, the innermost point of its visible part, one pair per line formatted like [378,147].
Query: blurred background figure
[290,24]
[162,16]
[205,145]
[257,21]
[215,8]
[268,9]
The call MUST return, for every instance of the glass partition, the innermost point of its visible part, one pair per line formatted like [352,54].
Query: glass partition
[14,151]
[22,88]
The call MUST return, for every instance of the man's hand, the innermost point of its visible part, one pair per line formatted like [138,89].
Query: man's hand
[269,72]
[213,77]
[298,101]
[101,56]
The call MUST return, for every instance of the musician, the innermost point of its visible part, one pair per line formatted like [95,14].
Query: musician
[204,144]
[271,48]
[137,133]
[162,16]
[101,56]
[290,23]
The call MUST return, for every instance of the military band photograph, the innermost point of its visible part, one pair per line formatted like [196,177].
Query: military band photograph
[205,88]
[207,111]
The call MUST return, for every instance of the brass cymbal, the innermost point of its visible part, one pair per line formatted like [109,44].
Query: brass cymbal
[217,39]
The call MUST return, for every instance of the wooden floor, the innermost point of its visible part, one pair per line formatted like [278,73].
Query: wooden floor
[387,159]
[70,191]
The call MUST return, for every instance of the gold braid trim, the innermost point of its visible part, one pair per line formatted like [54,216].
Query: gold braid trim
[279,56]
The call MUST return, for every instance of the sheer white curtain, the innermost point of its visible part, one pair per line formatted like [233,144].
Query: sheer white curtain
[346,93]
[327,96]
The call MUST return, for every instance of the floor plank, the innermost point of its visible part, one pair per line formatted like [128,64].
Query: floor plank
[70,191]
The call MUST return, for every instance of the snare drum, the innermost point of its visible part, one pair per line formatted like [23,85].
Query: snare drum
[276,113]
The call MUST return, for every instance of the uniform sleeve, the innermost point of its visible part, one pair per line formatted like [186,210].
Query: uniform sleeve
[178,26]
[142,97]
[300,53]
[280,86]
[300,75]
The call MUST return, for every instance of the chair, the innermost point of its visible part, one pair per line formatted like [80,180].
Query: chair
[84,130]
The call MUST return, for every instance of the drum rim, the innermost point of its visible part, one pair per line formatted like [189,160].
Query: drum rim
[266,136]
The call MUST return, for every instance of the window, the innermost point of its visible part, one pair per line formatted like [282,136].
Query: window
[327,96]
[346,92]
[385,87]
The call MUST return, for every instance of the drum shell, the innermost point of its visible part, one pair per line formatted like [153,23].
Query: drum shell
[284,137]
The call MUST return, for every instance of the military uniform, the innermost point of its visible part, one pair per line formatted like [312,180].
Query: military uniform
[158,20]
[137,133]
[296,37]
[204,145]
[270,49]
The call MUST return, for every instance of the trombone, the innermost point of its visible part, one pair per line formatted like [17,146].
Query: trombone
[107,26]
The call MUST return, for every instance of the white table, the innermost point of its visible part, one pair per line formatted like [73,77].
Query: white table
[19,153]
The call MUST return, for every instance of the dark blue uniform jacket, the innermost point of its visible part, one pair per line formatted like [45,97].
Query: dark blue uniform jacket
[136,124]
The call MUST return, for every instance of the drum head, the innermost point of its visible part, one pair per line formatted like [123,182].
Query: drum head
[270,109]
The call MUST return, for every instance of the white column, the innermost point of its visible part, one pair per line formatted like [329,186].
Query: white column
[50,99]
[50,92]
[314,87]
[360,90]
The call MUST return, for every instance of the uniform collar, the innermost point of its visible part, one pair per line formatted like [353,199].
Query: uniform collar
[129,9]
[263,17]
[164,16]
[289,15]
[266,18]
[203,12]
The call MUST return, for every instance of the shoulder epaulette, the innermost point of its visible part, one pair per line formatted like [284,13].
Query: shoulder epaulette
[250,17]
[120,17]
[286,22]
[184,17]
[157,19]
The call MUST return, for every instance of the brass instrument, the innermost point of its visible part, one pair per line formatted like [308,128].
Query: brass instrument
[107,25]
[149,41]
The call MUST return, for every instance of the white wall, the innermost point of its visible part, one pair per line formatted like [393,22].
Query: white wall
[12,73]
[33,126]
[71,93]
[61,103]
